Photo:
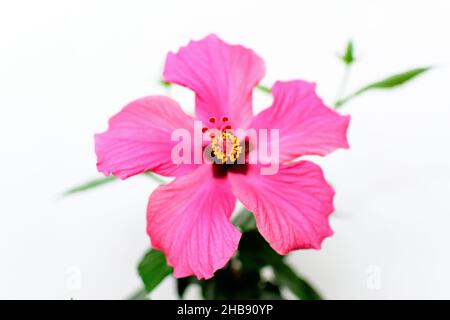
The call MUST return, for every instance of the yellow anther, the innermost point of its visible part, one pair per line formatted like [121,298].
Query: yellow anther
[226,147]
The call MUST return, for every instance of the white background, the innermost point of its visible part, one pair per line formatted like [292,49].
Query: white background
[67,66]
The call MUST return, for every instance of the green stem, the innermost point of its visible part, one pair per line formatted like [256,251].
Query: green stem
[342,85]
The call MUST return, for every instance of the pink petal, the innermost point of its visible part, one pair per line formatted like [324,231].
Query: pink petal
[307,126]
[291,208]
[139,139]
[189,220]
[222,76]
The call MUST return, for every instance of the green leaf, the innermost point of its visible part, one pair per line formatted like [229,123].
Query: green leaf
[286,276]
[255,253]
[231,284]
[104,180]
[387,83]
[164,83]
[140,294]
[270,291]
[263,88]
[348,57]
[153,269]
[154,177]
[90,185]
[183,284]
[244,220]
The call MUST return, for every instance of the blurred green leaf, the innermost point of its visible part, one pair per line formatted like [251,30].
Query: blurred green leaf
[153,269]
[183,284]
[229,283]
[348,57]
[164,83]
[104,180]
[140,294]
[255,253]
[90,185]
[387,83]
[154,177]
[286,276]
[270,291]
[244,220]
[263,88]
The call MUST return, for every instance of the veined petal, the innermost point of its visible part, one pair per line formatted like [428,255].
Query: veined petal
[189,220]
[139,139]
[221,75]
[291,208]
[306,126]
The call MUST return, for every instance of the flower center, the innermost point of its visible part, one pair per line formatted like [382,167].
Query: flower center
[226,147]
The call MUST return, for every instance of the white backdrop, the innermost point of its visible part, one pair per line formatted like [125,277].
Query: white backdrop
[67,66]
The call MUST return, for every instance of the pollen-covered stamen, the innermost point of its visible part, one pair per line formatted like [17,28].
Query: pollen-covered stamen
[226,147]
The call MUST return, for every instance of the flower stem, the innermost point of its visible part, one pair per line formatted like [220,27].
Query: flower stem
[342,85]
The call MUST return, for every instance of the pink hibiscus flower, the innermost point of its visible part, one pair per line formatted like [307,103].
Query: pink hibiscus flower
[189,218]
